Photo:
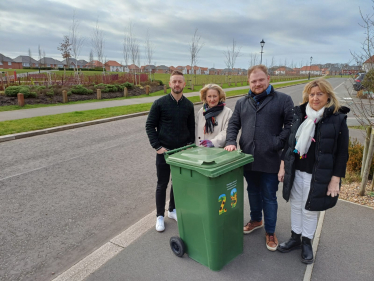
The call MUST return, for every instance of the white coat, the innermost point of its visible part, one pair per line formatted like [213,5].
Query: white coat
[218,137]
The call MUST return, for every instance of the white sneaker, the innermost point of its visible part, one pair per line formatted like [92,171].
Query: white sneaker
[173,215]
[160,226]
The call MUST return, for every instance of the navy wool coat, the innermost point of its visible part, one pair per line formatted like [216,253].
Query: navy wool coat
[264,129]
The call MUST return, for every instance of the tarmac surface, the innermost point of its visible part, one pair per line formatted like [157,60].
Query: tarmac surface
[344,249]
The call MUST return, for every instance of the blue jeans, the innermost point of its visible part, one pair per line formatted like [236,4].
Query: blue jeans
[262,194]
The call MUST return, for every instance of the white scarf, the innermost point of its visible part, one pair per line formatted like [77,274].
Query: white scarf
[305,133]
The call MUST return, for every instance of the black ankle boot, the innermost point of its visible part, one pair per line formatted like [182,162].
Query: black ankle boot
[306,250]
[292,244]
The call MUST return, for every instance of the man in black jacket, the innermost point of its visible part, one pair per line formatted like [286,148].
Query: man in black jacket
[170,124]
[265,117]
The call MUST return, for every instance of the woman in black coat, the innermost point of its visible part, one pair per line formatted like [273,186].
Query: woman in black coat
[313,162]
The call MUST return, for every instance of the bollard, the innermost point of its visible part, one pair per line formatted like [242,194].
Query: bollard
[242,83]
[164,89]
[21,99]
[147,90]
[64,96]
[99,94]
[125,92]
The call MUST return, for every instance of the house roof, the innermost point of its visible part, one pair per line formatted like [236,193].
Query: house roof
[311,68]
[47,60]
[370,60]
[112,63]
[25,59]
[162,67]
[4,58]
[132,66]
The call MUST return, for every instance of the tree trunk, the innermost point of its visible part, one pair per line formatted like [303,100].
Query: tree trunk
[364,155]
[369,159]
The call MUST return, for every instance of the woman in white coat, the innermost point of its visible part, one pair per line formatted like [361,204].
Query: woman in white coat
[213,118]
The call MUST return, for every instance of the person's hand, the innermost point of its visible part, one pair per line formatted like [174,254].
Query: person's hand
[281,172]
[206,143]
[161,150]
[230,147]
[333,188]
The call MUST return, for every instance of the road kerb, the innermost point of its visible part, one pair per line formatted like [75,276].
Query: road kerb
[109,250]
[317,236]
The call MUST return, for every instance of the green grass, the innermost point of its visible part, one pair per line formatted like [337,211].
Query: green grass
[43,122]
[357,127]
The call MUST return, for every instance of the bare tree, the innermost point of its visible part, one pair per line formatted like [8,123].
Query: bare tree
[367,46]
[126,49]
[30,58]
[40,56]
[44,62]
[231,54]
[76,40]
[98,42]
[148,52]
[91,59]
[65,49]
[195,48]
[253,59]
[364,109]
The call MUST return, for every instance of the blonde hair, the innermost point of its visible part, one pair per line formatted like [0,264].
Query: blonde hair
[325,88]
[221,92]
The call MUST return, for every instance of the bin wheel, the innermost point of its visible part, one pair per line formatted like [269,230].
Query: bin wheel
[177,246]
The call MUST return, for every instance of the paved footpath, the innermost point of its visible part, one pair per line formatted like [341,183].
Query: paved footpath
[344,252]
[42,111]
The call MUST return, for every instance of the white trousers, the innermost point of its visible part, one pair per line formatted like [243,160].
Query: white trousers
[303,222]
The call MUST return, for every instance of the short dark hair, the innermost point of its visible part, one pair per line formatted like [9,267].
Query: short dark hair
[176,72]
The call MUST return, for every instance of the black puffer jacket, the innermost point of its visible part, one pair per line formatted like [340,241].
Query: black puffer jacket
[331,134]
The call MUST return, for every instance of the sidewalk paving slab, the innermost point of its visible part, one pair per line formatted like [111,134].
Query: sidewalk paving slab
[346,250]
[150,258]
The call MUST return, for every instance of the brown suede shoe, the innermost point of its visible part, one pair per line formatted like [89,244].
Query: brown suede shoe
[271,242]
[252,225]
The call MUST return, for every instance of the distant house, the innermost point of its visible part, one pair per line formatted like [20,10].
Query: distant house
[284,70]
[50,62]
[26,61]
[8,63]
[162,69]
[213,71]
[333,70]
[133,68]
[187,69]
[93,64]
[204,70]
[352,69]
[73,63]
[114,66]
[314,70]
[368,64]
[150,68]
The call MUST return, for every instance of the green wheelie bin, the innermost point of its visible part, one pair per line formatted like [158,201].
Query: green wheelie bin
[208,194]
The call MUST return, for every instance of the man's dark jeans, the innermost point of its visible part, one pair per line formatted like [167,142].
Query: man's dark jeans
[163,176]
[262,194]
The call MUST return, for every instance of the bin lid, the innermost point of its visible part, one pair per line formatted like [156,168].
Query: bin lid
[211,162]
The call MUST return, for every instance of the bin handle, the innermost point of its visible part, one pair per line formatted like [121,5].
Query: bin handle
[169,152]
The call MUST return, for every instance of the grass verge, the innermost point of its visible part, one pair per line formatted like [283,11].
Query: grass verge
[44,122]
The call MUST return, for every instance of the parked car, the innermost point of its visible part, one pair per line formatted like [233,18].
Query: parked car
[357,85]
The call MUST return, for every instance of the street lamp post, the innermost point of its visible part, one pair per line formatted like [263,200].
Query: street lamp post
[262,47]
[310,66]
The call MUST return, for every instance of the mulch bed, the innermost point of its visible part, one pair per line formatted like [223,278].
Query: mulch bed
[350,191]
[43,99]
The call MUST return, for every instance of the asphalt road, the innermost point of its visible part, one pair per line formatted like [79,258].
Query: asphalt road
[63,195]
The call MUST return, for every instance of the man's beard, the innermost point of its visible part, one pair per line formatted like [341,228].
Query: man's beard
[175,91]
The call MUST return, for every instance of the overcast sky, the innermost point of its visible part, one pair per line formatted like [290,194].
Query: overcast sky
[294,30]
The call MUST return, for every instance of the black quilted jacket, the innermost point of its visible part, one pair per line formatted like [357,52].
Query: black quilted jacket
[171,124]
